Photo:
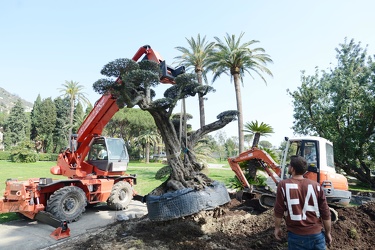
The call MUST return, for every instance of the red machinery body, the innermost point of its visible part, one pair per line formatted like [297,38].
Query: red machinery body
[90,181]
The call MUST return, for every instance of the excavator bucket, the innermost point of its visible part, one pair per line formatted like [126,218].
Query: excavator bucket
[267,200]
[251,201]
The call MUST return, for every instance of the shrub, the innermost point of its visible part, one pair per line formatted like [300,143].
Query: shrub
[163,172]
[54,157]
[353,234]
[5,155]
[24,156]
[47,157]
[23,152]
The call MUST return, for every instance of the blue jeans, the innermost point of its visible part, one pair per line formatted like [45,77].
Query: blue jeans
[306,242]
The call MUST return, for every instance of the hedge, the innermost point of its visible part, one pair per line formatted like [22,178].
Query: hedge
[5,155]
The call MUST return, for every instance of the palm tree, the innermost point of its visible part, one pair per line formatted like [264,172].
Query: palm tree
[73,91]
[235,59]
[146,139]
[257,130]
[196,57]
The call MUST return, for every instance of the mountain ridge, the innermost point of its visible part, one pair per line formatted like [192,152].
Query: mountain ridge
[8,100]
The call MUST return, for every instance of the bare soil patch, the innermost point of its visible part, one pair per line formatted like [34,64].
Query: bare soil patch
[228,227]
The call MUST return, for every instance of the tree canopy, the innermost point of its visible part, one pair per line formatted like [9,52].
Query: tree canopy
[339,105]
[16,126]
[197,57]
[44,123]
[233,58]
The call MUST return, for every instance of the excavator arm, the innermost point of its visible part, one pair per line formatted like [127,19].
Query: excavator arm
[265,160]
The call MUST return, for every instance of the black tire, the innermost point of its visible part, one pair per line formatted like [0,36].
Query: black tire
[23,217]
[67,203]
[121,195]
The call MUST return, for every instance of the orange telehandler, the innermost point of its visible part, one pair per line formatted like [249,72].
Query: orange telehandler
[320,168]
[94,166]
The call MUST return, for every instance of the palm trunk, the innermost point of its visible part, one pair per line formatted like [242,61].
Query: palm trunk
[201,101]
[237,87]
[256,140]
[71,120]
[147,152]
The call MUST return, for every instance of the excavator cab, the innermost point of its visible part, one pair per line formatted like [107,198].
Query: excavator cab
[319,155]
[109,154]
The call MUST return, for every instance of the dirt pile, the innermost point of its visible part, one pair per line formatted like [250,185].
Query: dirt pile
[229,227]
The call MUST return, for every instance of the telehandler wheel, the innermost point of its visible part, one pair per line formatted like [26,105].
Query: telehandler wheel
[121,195]
[67,203]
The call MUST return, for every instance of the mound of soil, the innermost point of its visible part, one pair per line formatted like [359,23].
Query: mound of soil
[228,227]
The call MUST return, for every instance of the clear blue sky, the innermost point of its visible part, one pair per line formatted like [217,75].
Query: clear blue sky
[44,43]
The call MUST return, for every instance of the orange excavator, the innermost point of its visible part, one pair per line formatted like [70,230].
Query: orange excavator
[95,167]
[319,155]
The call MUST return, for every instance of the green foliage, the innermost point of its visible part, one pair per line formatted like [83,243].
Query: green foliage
[43,123]
[3,117]
[231,147]
[230,56]
[34,116]
[145,140]
[163,172]
[79,117]
[220,148]
[228,115]
[118,66]
[257,129]
[233,58]
[60,132]
[130,123]
[8,217]
[47,157]
[74,92]
[203,150]
[260,181]
[339,104]
[23,153]
[134,153]
[17,126]
[274,155]
[195,58]
[353,234]
[265,144]
[185,86]
[4,155]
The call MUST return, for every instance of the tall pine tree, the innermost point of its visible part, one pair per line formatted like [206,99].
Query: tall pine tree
[17,126]
[62,124]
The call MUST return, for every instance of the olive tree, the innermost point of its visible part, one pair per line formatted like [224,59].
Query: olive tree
[133,84]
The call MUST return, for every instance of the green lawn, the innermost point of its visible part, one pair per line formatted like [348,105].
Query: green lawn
[24,171]
[146,181]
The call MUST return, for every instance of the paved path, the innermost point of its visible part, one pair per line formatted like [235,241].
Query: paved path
[31,235]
